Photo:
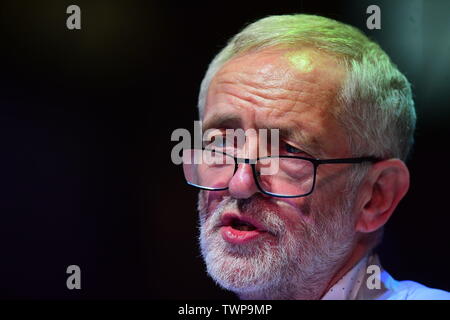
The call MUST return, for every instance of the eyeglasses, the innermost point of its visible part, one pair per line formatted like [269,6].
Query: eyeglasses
[293,176]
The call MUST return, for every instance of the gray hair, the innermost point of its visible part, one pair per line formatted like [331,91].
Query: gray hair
[375,101]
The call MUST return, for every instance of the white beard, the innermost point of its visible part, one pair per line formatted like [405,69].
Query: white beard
[298,265]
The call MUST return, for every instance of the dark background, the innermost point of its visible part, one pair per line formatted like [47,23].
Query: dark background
[85,123]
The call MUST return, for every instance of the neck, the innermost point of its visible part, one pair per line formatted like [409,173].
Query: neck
[361,249]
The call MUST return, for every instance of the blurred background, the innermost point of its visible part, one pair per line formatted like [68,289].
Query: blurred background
[85,123]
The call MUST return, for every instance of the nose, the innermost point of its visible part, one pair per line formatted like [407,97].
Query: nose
[242,185]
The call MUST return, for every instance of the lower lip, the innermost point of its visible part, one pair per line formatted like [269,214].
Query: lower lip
[237,236]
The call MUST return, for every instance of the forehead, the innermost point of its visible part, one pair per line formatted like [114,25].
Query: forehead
[291,90]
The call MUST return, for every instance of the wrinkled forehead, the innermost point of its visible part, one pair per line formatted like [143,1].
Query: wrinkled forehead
[289,89]
[282,76]
[278,65]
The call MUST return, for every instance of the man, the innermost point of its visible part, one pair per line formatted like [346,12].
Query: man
[308,230]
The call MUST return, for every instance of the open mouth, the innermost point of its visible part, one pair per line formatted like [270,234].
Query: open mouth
[241,225]
[238,230]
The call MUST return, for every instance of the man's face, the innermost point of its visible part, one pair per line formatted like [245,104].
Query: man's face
[299,242]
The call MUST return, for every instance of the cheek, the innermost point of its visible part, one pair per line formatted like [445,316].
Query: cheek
[294,210]
[213,199]
[210,200]
[201,205]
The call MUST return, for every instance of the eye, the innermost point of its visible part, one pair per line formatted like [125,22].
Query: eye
[218,141]
[292,149]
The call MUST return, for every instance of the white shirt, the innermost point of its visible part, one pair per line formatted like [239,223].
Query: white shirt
[354,285]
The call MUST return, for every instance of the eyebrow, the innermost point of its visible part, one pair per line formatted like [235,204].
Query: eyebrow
[305,143]
[222,121]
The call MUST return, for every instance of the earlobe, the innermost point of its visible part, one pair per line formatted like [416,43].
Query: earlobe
[386,185]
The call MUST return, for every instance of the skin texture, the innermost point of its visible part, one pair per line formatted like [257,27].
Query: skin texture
[295,91]
[301,60]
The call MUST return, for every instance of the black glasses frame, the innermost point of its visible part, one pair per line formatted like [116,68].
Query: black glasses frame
[316,163]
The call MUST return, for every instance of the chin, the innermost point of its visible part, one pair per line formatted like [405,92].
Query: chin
[242,268]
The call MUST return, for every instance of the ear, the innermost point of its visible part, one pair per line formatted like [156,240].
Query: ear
[385,185]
